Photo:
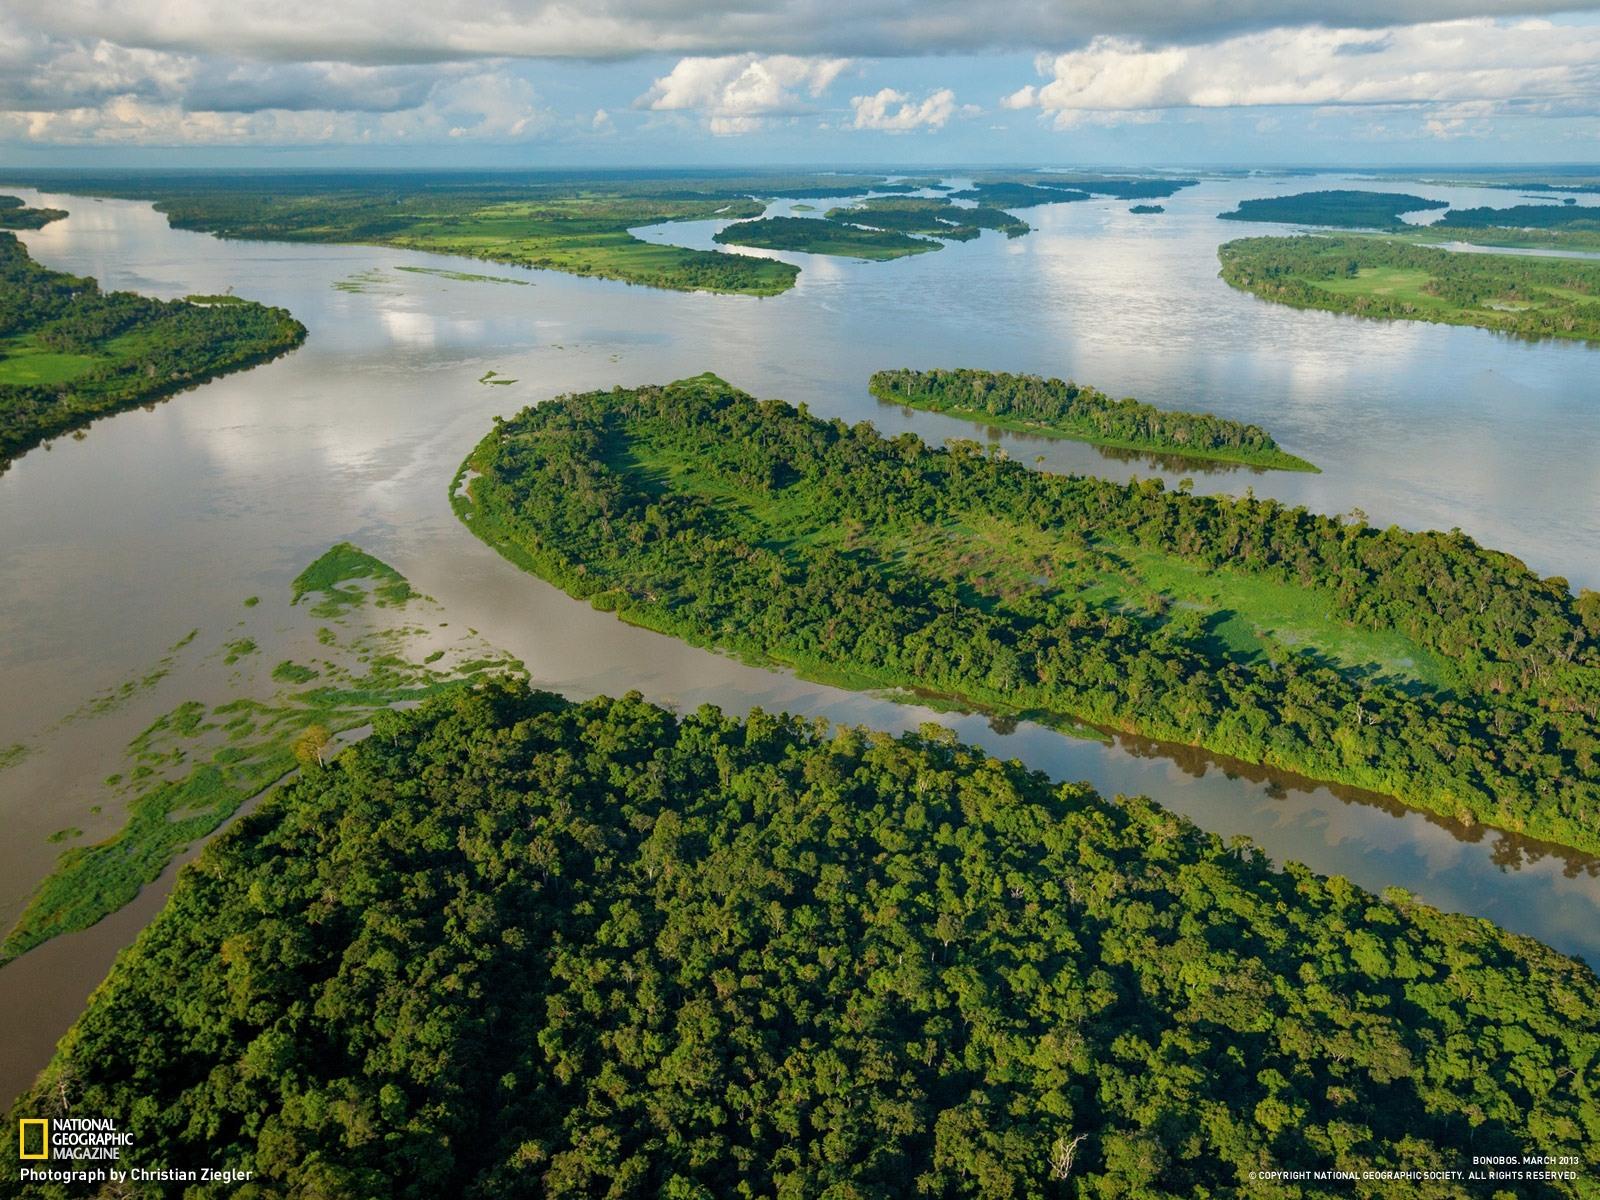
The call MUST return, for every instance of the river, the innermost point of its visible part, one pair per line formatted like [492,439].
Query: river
[114,545]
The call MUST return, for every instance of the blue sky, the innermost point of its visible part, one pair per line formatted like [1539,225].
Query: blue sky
[742,82]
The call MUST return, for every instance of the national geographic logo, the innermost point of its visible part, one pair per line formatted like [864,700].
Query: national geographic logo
[75,1138]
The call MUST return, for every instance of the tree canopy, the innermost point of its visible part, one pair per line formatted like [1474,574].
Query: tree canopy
[70,352]
[510,945]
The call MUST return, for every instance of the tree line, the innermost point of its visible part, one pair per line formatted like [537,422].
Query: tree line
[133,349]
[1526,295]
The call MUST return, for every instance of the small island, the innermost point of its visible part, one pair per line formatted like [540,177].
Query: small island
[1008,194]
[819,235]
[1529,296]
[1057,408]
[70,353]
[1146,209]
[1340,208]
[14,214]
[1568,226]
[929,217]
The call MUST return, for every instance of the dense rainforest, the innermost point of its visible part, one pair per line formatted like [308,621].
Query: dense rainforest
[1529,296]
[1418,665]
[14,214]
[1339,207]
[513,946]
[70,352]
[1036,404]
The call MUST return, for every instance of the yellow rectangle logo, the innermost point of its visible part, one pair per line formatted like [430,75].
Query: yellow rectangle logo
[43,1126]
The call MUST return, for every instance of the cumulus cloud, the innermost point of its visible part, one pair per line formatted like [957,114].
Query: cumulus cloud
[737,93]
[896,112]
[1532,65]
[378,31]
[477,106]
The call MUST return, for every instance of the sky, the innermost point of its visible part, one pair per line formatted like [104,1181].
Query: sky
[528,83]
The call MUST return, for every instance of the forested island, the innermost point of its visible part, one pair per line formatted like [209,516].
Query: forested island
[14,214]
[1535,297]
[1019,195]
[1033,404]
[1538,226]
[1025,189]
[1145,210]
[819,235]
[1342,208]
[876,228]
[509,945]
[70,353]
[576,222]
[1416,665]
[929,217]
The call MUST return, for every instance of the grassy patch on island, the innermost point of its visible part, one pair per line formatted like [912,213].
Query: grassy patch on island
[1533,297]
[70,353]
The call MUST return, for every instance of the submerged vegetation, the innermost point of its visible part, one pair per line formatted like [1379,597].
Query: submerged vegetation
[1033,404]
[1342,208]
[14,214]
[1538,297]
[70,353]
[1417,665]
[195,765]
[510,945]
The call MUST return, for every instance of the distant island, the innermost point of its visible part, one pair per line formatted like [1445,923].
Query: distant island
[1026,189]
[70,353]
[510,945]
[1033,404]
[1420,666]
[1535,297]
[818,235]
[1342,208]
[1565,226]
[558,220]
[1523,226]
[1146,209]
[931,217]
[875,228]
[1019,195]
[14,214]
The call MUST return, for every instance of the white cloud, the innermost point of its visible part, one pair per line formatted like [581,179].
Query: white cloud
[738,92]
[1534,65]
[896,112]
[482,106]
[379,31]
